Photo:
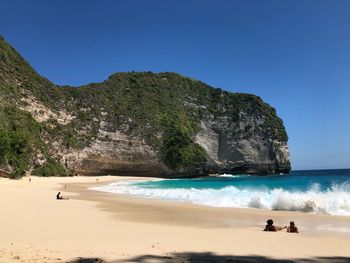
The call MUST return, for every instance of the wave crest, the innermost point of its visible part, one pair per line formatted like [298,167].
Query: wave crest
[334,201]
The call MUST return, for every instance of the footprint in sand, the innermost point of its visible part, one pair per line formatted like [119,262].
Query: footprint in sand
[157,246]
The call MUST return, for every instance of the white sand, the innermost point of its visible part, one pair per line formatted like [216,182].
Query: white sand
[35,227]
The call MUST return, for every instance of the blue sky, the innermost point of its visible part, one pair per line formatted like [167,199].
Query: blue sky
[293,54]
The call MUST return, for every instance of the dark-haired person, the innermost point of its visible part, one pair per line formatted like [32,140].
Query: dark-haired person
[292,228]
[270,227]
[60,197]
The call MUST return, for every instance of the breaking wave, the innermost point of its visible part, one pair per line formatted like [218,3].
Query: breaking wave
[335,200]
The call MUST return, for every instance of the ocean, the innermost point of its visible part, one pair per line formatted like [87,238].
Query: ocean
[311,191]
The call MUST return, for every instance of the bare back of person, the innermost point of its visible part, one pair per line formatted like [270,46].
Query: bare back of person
[292,228]
[271,228]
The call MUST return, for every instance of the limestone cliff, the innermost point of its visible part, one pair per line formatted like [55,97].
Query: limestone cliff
[137,123]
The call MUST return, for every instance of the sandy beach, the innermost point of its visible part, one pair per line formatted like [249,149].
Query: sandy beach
[100,227]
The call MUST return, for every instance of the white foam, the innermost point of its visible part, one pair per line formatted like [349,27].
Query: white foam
[233,175]
[334,201]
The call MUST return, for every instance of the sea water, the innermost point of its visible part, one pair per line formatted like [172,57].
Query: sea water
[317,191]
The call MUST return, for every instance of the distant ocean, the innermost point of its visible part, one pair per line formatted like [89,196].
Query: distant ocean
[316,191]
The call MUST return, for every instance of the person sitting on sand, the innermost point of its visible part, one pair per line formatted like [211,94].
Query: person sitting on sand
[292,228]
[271,227]
[59,197]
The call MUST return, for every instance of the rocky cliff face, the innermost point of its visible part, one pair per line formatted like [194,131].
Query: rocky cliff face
[142,124]
[230,152]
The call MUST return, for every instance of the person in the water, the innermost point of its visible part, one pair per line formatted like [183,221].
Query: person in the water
[270,227]
[292,228]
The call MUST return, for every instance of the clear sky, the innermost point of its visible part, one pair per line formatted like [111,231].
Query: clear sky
[293,54]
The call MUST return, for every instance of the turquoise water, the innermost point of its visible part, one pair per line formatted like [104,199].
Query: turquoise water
[295,181]
[321,191]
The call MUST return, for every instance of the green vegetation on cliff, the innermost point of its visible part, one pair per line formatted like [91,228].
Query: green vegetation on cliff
[178,149]
[50,168]
[164,109]
[20,141]
[19,136]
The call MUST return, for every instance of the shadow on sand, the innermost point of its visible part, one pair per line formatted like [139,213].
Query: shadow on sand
[208,257]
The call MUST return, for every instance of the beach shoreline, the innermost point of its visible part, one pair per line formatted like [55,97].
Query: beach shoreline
[217,217]
[36,228]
